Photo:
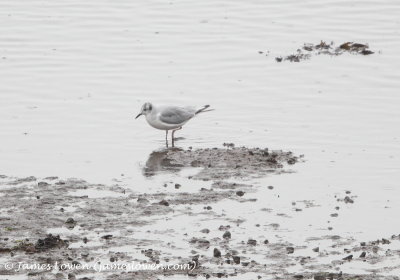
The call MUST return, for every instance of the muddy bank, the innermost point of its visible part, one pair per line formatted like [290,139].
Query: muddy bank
[222,163]
[66,224]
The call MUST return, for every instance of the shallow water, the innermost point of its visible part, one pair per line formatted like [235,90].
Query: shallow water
[74,75]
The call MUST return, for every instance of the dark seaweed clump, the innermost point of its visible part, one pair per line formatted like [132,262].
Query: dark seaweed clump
[308,50]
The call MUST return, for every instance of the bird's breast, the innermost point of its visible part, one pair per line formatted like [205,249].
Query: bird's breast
[155,122]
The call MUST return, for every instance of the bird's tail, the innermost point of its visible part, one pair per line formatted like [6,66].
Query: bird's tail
[204,109]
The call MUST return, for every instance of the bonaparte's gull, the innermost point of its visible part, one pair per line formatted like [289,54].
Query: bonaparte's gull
[169,117]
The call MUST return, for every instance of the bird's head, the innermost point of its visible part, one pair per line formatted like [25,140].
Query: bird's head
[146,109]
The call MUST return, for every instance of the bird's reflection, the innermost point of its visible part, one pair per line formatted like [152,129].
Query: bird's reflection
[159,161]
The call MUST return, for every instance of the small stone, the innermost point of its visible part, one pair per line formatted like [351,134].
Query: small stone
[239,193]
[108,236]
[164,202]
[177,186]
[366,52]
[348,200]
[217,253]
[363,254]
[290,250]
[252,242]
[266,241]
[316,249]
[205,230]
[70,221]
[227,235]
[236,259]
[385,241]
[270,187]
[348,258]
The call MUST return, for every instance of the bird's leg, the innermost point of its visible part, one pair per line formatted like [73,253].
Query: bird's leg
[173,131]
[166,138]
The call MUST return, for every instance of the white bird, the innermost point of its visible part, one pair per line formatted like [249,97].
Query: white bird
[169,117]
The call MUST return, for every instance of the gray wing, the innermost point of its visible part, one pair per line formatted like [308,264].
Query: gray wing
[176,115]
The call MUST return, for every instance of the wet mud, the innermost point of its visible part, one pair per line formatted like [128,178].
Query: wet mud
[221,163]
[53,222]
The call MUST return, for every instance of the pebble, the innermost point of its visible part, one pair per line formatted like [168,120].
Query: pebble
[239,193]
[227,235]
[252,242]
[290,250]
[385,241]
[217,253]
[70,221]
[348,258]
[164,202]
[348,200]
